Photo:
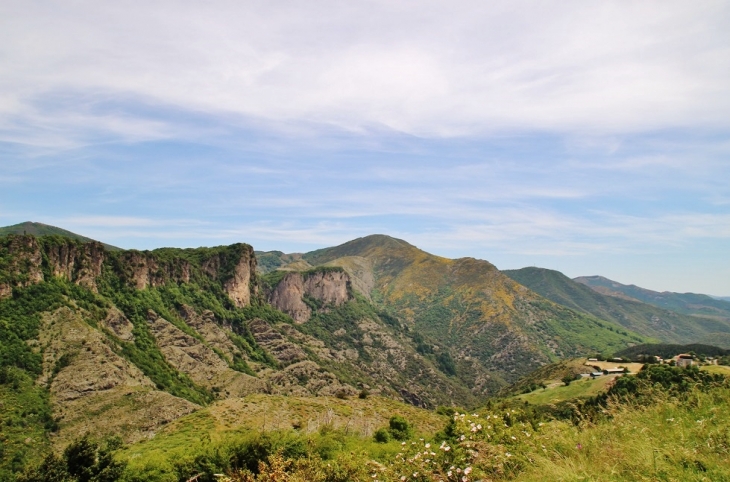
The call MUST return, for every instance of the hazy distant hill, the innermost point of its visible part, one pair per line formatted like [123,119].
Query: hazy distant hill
[649,320]
[688,303]
[668,351]
[40,229]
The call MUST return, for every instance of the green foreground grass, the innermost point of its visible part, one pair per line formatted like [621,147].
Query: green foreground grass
[672,440]
[661,424]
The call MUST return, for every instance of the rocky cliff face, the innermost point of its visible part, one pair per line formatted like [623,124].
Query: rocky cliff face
[22,264]
[79,263]
[328,287]
[21,259]
[238,283]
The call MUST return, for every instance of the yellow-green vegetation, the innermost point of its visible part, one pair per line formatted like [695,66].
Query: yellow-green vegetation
[230,419]
[607,365]
[661,424]
[469,310]
[719,369]
[556,391]
[669,440]
[550,374]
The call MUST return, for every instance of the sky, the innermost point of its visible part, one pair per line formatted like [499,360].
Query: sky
[584,136]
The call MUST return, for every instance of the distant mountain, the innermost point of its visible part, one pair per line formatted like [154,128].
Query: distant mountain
[465,309]
[687,303]
[647,319]
[669,351]
[40,229]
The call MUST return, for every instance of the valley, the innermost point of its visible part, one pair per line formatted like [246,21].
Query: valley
[173,351]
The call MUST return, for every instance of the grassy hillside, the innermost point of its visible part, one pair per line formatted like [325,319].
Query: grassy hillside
[40,229]
[649,320]
[687,303]
[467,310]
[661,424]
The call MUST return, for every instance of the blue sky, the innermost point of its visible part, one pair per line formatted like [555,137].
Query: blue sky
[588,137]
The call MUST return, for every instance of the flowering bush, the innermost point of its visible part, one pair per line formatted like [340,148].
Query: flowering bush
[477,446]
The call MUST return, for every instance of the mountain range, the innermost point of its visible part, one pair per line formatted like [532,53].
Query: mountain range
[124,342]
[692,324]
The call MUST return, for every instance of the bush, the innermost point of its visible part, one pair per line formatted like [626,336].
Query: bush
[82,461]
[399,429]
[382,435]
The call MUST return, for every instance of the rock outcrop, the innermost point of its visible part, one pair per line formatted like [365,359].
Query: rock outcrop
[199,361]
[85,376]
[78,263]
[237,282]
[82,263]
[23,257]
[327,287]
[284,351]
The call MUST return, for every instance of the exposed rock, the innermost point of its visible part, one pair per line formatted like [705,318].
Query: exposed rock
[24,269]
[197,360]
[87,376]
[306,378]
[118,324]
[328,287]
[142,269]
[275,343]
[237,284]
[288,297]
[215,335]
[361,273]
[79,263]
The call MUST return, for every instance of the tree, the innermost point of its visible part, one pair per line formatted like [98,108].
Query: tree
[567,379]
[82,461]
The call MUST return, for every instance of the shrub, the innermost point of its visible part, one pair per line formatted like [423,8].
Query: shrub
[382,435]
[399,428]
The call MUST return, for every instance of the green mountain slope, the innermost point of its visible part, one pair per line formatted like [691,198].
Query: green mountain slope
[649,320]
[124,342]
[40,229]
[687,303]
[492,328]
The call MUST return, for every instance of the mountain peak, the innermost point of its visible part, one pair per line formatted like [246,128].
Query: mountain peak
[40,229]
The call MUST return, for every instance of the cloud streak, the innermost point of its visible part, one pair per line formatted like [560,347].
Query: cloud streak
[567,130]
[427,69]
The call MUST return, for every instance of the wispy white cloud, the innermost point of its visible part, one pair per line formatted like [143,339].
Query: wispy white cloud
[428,69]
[569,129]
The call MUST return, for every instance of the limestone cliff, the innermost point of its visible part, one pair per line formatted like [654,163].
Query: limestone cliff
[326,287]
[20,258]
[79,263]
[236,270]
[27,260]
